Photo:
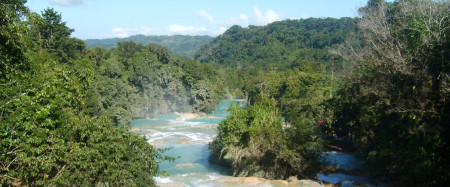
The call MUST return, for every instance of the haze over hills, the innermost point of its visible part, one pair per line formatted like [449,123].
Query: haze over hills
[181,45]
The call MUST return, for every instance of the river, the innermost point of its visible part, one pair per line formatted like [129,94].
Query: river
[189,135]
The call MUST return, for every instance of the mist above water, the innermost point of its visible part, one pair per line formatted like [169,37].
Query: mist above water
[188,134]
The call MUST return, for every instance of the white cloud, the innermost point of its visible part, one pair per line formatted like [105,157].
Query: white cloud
[269,17]
[180,28]
[221,30]
[66,2]
[214,26]
[243,17]
[170,30]
[187,30]
[205,15]
[257,13]
[125,32]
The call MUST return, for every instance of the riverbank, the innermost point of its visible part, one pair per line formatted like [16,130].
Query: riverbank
[189,135]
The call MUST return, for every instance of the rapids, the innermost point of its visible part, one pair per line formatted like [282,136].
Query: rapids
[189,135]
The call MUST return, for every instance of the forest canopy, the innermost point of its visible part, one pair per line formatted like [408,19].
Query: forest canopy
[279,45]
[180,45]
[378,82]
[376,85]
[65,110]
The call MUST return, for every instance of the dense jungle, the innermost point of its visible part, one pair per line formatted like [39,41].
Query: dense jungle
[376,85]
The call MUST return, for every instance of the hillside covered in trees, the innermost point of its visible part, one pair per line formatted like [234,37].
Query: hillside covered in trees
[279,45]
[285,71]
[136,81]
[376,85]
[388,101]
[65,110]
[179,45]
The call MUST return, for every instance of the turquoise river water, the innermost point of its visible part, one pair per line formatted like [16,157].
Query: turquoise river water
[189,136]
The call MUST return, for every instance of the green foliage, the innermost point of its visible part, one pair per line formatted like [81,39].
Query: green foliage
[302,94]
[394,106]
[61,105]
[48,139]
[279,45]
[107,155]
[180,45]
[254,142]
[51,129]
[299,95]
[11,39]
[136,81]
[51,34]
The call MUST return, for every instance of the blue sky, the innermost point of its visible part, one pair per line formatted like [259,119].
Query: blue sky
[121,18]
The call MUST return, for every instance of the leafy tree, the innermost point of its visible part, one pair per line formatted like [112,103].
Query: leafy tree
[11,48]
[128,49]
[252,141]
[53,28]
[394,104]
[49,136]
[203,96]
[53,35]
[137,81]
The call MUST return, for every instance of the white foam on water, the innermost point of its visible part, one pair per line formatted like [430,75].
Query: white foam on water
[155,136]
[163,180]
[213,177]
[209,180]
[197,179]
[194,122]
[183,122]
[196,137]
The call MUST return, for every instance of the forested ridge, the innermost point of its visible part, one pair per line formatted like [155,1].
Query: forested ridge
[379,85]
[279,45]
[180,45]
[376,85]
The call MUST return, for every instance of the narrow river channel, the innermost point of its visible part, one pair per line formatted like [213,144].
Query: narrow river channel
[189,135]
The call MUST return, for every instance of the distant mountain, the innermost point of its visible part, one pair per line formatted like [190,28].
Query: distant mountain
[279,45]
[180,45]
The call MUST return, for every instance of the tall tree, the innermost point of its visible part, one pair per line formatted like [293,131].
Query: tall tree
[47,135]
[53,35]
[395,105]
[11,48]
